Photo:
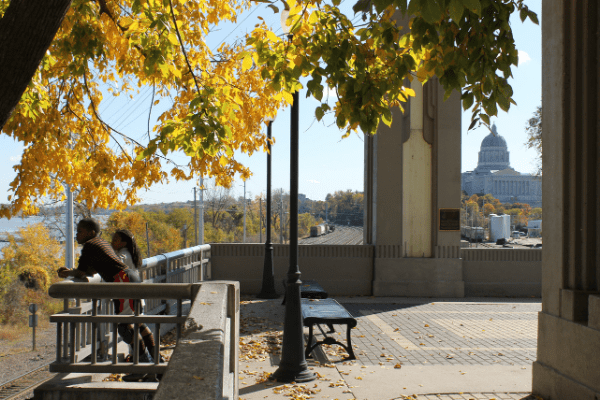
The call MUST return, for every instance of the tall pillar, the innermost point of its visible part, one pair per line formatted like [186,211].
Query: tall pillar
[412,170]
[416,182]
[568,363]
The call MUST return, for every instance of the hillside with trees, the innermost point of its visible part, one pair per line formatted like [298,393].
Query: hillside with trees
[477,209]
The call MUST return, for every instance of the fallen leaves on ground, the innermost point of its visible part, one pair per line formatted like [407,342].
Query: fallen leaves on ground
[260,349]
[114,378]
[297,392]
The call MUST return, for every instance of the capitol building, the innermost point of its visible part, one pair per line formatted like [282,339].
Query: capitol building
[494,175]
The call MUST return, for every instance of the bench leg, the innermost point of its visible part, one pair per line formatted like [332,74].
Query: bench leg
[309,345]
[349,341]
[329,340]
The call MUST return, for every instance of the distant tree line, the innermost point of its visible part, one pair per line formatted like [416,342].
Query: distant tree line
[477,209]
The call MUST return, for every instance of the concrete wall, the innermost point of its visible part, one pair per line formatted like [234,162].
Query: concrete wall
[348,270]
[502,272]
[341,270]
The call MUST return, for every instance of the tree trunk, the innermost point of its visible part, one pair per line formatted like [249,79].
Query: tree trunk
[26,31]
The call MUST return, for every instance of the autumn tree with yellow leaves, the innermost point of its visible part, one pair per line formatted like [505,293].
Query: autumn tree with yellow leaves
[27,268]
[219,99]
[217,107]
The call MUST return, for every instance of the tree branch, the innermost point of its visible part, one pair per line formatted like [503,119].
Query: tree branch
[183,47]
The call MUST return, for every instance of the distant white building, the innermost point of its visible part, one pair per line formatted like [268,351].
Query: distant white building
[495,176]
[499,227]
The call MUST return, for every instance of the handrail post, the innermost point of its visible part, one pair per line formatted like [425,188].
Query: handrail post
[94,331]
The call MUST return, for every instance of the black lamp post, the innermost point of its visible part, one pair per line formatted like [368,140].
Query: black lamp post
[293,366]
[268,281]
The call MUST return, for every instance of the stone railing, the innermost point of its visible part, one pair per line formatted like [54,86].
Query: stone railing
[207,343]
[188,265]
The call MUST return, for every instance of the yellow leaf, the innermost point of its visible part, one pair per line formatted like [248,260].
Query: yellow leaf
[247,63]
[288,97]
[272,37]
[173,39]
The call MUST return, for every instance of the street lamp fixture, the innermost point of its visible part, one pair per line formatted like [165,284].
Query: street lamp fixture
[293,366]
[268,282]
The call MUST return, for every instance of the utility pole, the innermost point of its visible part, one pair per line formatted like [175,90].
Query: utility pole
[195,219]
[70,247]
[147,240]
[244,211]
[260,219]
[201,230]
[281,218]
[268,282]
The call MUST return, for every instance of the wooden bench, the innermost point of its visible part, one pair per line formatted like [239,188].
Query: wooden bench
[330,312]
[309,289]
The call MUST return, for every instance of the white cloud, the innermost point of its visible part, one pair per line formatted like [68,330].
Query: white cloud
[523,57]
[313,181]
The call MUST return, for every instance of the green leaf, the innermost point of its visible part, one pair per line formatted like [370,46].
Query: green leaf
[431,11]
[491,109]
[503,102]
[467,100]
[319,113]
[485,118]
[456,9]
[533,17]
[523,14]
[473,6]
[473,123]
[361,6]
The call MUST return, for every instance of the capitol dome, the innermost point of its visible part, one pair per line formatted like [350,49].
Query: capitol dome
[493,154]
[494,139]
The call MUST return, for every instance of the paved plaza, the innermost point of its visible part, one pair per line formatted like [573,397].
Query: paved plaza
[405,348]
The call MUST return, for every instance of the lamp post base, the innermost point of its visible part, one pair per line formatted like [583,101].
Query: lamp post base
[287,375]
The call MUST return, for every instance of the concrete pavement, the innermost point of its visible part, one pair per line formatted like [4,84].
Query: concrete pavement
[405,348]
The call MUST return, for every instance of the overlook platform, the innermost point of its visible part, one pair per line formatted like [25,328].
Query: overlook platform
[418,348]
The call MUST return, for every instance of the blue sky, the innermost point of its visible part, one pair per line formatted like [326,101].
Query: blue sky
[327,162]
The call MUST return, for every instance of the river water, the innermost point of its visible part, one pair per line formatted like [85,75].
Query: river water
[12,226]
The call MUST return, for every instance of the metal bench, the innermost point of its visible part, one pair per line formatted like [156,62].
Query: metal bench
[330,312]
[309,289]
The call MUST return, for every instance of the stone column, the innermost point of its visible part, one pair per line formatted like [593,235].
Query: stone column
[412,169]
[416,181]
[568,361]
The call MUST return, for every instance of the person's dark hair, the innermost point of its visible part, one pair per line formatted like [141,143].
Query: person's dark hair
[90,224]
[127,237]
